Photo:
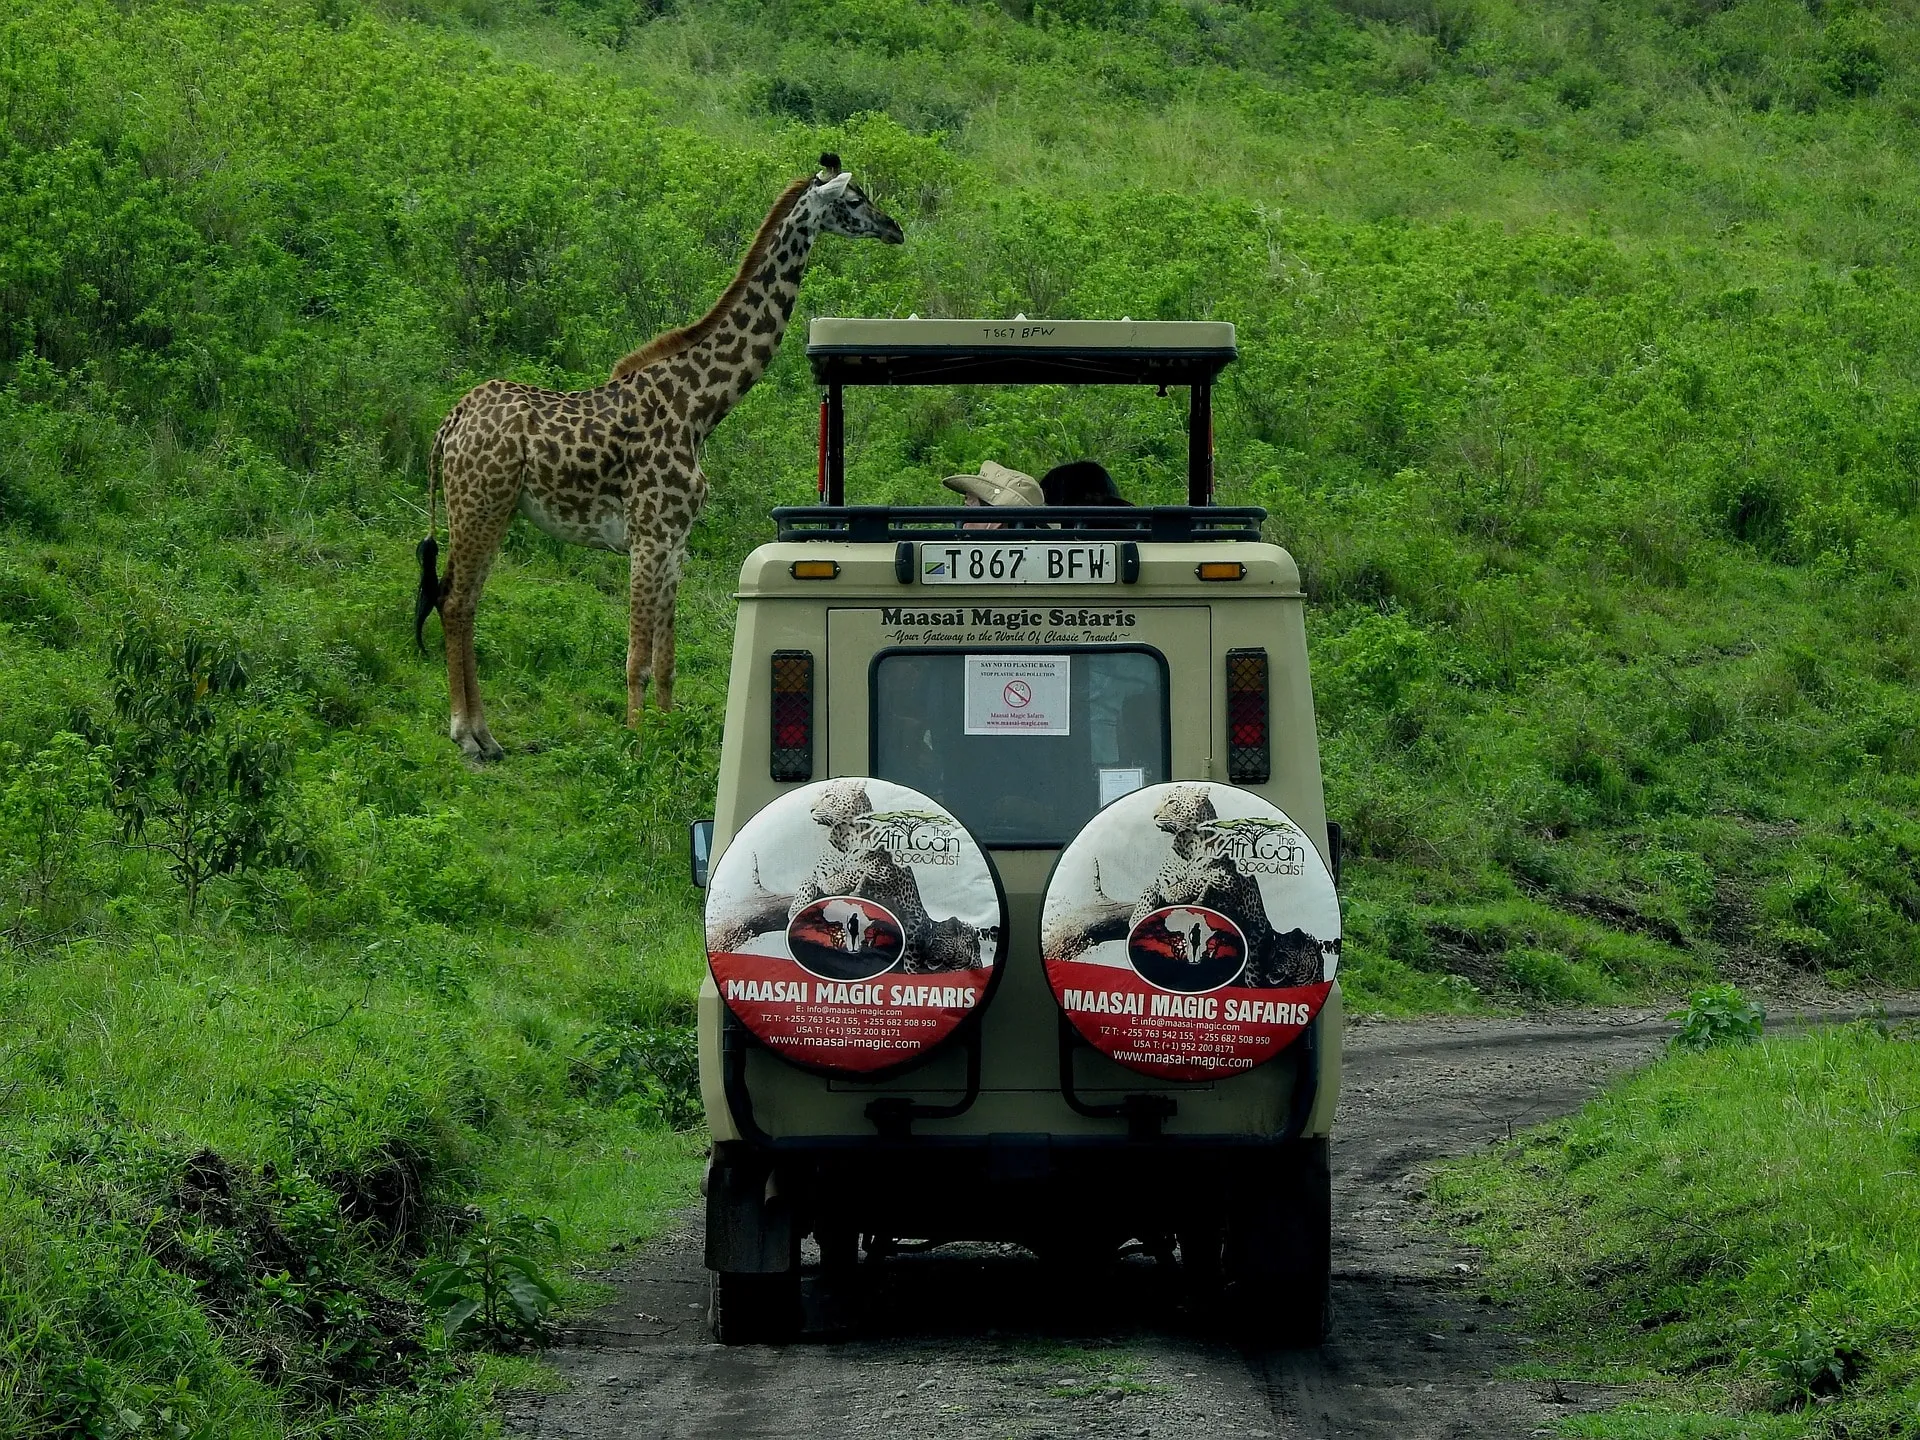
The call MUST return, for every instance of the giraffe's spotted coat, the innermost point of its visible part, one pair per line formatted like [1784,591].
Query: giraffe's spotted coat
[618,466]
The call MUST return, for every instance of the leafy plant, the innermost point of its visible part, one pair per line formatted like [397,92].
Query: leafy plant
[1809,1363]
[493,1281]
[42,811]
[1717,1015]
[660,1063]
[188,779]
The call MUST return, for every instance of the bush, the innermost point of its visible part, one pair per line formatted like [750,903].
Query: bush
[44,809]
[189,778]
[1718,1015]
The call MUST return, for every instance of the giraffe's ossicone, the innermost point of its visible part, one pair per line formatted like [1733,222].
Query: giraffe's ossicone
[618,466]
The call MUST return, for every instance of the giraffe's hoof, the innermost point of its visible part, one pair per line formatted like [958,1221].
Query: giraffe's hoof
[480,748]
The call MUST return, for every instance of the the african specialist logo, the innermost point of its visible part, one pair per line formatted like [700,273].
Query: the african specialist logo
[1257,847]
[844,937]
[1189,949]
[913,837]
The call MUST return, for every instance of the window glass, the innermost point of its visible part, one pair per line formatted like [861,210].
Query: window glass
[1008,787]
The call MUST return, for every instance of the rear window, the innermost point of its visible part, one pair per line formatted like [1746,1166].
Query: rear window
[1023,747]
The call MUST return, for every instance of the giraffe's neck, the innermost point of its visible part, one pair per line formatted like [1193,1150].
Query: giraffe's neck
[723,365]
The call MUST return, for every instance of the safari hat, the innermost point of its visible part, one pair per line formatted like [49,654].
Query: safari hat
[997,485]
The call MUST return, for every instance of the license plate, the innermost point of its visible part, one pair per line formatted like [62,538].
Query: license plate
[944,562]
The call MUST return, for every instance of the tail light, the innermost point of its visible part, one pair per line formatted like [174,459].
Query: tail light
[791,738]
[1248,753]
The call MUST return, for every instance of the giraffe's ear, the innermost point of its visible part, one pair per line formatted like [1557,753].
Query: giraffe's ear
[833,189]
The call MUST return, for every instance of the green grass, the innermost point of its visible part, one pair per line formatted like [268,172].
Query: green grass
[1734,1232]
[1577,369]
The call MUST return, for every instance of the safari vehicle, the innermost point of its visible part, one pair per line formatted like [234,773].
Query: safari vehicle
[1021,914]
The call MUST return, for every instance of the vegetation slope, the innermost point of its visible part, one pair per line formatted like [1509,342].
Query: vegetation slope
[1731,1235]
[1577,370]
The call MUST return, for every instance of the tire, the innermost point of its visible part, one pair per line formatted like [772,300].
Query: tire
[754,1309]
[1279,1250]
[1200,1243]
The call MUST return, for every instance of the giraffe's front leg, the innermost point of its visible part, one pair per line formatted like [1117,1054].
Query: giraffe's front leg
[642,588]
[666,595]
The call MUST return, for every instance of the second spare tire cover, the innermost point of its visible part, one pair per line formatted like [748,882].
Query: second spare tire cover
[1190,931]
[854,925]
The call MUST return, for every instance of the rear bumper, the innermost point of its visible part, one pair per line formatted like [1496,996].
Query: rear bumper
[1034,1190]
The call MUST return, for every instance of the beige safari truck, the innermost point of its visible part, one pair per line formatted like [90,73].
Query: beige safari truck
[1021,915]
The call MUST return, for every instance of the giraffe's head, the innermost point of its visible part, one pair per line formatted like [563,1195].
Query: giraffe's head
[840,207]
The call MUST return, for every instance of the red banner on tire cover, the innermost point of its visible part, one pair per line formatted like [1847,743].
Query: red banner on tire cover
[1190,931]
[853,925]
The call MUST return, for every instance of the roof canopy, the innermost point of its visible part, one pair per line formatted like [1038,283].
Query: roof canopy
[1019,352]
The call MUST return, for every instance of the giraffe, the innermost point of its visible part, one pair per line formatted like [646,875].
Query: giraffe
[618,467]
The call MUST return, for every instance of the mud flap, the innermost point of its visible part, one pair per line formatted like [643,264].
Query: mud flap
[749,1223]
[1279,1247]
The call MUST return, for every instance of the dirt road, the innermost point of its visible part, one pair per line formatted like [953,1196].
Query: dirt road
[976,1343]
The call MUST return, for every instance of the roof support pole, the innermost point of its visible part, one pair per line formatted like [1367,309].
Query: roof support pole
[836,445]
[1200,445]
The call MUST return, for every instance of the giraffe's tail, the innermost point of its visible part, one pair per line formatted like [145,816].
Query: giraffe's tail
[432,587]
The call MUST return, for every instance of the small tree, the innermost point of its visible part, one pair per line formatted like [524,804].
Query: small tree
[44,804]
[189,781]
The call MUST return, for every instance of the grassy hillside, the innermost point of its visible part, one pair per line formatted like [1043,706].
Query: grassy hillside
[1732,1233]
[1577,369]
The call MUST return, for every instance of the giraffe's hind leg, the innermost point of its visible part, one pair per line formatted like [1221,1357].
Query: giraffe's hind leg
[476,524]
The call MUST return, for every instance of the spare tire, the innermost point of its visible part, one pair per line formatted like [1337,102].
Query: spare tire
[854,926]
[1190,931]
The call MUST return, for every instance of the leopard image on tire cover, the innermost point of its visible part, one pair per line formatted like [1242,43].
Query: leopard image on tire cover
[1190,931]
[854,925]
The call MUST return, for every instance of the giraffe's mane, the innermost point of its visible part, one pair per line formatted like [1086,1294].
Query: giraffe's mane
[672,342]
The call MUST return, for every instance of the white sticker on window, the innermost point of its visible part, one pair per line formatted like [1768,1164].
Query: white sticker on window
[1117,782]
[1018,694]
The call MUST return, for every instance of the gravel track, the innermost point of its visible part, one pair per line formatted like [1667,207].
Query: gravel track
[978,1341]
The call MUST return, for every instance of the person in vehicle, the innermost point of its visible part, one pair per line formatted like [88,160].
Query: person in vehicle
[996,484]
[1083,482]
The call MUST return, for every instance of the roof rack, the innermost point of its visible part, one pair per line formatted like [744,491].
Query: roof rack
[862,524]
[846,351]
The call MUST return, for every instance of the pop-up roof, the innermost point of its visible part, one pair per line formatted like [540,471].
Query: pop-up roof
[1019,352]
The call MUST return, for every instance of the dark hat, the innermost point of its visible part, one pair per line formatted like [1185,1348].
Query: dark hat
[1080,482]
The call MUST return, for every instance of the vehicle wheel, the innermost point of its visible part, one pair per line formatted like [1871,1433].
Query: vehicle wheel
[754,1309]
[839,1249]
[1200,1262]
[1279,1250]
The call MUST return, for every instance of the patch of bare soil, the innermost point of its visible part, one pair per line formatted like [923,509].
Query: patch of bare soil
[983,1341]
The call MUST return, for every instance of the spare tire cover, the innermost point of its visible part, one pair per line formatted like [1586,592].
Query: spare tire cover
[1190,930]
[853,925]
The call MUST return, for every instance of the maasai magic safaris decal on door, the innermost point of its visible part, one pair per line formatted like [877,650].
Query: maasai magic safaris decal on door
[1190,931]
[854,925]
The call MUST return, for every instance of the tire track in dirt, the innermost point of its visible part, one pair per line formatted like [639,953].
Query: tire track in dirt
[983,1341]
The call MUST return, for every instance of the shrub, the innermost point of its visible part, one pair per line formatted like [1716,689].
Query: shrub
[493,1281]
[658,1063]
[1718,1015]
[189,779]
[43,809]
